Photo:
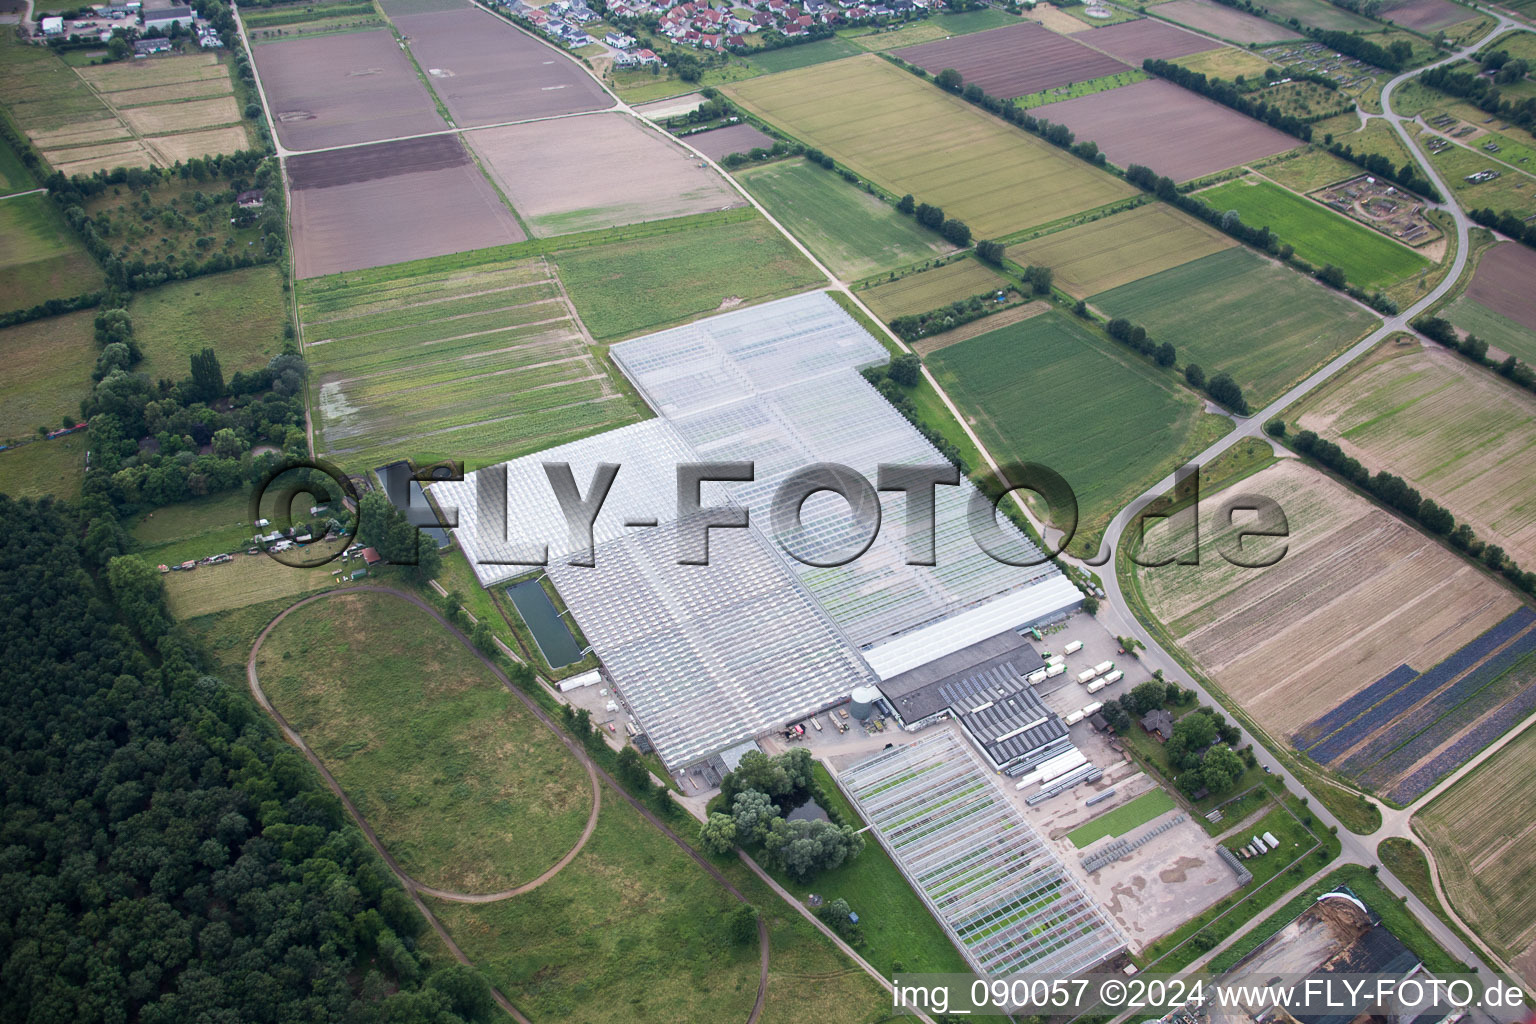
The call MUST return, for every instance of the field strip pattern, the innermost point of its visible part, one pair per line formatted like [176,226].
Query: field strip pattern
[484,362]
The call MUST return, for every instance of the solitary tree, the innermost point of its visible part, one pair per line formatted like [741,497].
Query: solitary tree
[718,834]
[950,79]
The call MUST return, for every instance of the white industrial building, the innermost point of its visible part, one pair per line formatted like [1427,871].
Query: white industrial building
[709,656]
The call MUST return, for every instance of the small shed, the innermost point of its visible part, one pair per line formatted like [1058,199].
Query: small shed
[371,556]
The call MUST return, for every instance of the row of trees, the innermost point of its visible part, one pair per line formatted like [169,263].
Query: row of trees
[166,856]
[758,794]
[1230,95]
[1476,349]
[962,311]
[1263,238]
[895,382]
[1465,82]
[954,230]
[1396,493]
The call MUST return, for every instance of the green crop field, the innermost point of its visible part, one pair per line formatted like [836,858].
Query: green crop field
[1496,329]
[1123,818]
[1116,250]
[1050,390]
[482,361]
[929,289]
[239,314]
[54,467]
[852,232]
[445,763]
[1233,312]
[1368,258]
[47,372]
[630,286]
[40,258]
[909,136]
[1321,14]
[631,930]
[803,56]
[1473,829]
[929,29]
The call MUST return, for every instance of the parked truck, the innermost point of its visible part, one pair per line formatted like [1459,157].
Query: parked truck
[1036,677]
[1102,667]
[1113,678]
[1097,685]
[1087,674]
[1073,647]
[1052,671]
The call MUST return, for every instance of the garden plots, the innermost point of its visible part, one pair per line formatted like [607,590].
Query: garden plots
[62,115]
[368,206]
[681,270]
[1234,312]
[852,232]
[443,761]
[340,90]
[1223,22]
[1499,305]
[1167,128]
[1323,637]
[1464,437]
[1424,15]
[40,257]
[1136,41]
[1119,249]
[47,374]
[994,177]
[581,173]
[1320,236]
[488,71]
[929,289]
[1014,61]
[1012,386]
[477,360]
[1480,833]
[180,107]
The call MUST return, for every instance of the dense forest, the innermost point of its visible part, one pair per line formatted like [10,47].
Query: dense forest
[164,857]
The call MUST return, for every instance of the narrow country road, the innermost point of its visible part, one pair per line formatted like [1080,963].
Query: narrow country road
[413,888]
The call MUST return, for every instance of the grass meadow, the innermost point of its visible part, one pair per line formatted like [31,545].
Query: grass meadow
[47,373]
[854,233]
[1122,819]
[40,258]
[1050,390]
[240,314]
[1493,327]
[930,29]
[54,467]
[465,787]
[930,289]
[632,285]
[1233,312]
[1320,236]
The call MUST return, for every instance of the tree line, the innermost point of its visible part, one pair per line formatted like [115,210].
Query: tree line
[1262,238]
[1394,492]
[751,808]
[165,856]
[1200,750]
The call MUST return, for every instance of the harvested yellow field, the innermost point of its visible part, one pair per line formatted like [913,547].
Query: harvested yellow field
[160,71]
[1463,437]
[205,89]
[1482,832]
[909,136]
[1056,21]
[1357,594]
[181,117]
[88,159]
[930,289]
[1120,249]
[104,130]
[171,148]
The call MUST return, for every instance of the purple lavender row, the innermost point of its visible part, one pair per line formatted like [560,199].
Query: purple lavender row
[1333,748]
[1426,715]
[1317,731]
[1464,749]
[1503,679]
